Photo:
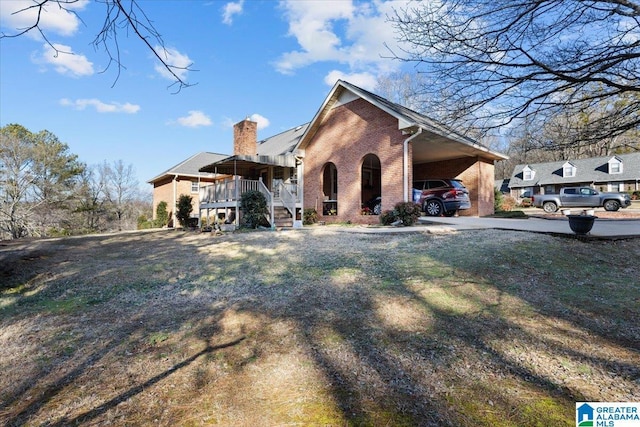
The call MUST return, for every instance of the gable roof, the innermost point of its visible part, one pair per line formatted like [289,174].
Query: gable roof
[407,120]
[279,150]
[594,169]
[191,166]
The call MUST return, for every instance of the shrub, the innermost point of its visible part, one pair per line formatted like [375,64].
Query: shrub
[184,209]
[162,216]
[144,223]
[407,212]
[388,217]
[508,203]
[253,205]
[635,195]
[526,202]
[309,216]
[497,200]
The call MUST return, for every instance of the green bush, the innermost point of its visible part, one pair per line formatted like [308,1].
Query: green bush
[253,205]
[497,200]
[407,212]
[162,216]
[184,209]
[388,217]
[309,216]
[144,223]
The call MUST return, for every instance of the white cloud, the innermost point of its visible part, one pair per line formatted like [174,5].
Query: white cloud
[230,9]
[349,33]
[100,107]
[175,59]
[195,119]
[18,15]
[262,121]
[364,80]
[64,60]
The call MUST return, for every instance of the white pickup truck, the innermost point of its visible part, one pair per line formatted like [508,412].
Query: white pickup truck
[583,197]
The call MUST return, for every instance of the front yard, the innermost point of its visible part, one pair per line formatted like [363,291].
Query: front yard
[316,327]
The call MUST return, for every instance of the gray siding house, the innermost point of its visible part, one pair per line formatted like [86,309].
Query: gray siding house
[617,173]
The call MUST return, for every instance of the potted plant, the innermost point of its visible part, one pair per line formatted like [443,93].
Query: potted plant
[581,224]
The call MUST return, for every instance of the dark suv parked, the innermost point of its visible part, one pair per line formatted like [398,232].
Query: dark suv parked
[441,196]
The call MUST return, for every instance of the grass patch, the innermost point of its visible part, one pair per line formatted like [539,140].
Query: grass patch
[319,327]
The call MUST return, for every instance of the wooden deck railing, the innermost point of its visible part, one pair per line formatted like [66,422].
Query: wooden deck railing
[227,194]
[230,190]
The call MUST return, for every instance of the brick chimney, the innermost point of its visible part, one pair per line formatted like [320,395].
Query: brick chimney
[245,138]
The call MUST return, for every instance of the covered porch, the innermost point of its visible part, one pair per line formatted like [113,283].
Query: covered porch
[273,176]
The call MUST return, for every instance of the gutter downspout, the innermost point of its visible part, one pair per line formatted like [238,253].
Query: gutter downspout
[175,199]
[300,172]
[405,159]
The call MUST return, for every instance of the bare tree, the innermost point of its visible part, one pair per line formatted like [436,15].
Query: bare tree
[90,202]
[121,16]
[121,188]
[507,60]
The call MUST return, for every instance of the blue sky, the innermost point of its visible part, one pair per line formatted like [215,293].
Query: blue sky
[274,61]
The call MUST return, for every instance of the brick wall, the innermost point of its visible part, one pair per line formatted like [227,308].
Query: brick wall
[163,192]
[347,135]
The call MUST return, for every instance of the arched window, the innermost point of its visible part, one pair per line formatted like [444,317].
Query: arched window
[330,189]
[371,185]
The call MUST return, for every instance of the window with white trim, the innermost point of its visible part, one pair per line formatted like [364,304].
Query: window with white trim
[527,173]
[615,167]
[195,186]
[568,170]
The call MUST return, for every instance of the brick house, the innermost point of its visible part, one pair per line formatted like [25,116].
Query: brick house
[357,147]
[183,178]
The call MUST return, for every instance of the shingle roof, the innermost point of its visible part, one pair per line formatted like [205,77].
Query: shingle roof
[411,115]
[282,143]
[191,166]
[594,169]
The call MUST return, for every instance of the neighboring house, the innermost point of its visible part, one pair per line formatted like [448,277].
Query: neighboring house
[183,178]
[358,146]
[617,173]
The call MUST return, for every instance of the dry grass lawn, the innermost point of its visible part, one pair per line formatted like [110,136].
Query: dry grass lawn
[321,326]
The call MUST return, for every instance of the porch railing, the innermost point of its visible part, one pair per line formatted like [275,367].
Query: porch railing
[228,192]
[288,198]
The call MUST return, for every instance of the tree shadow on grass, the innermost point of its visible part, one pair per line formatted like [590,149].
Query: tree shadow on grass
[122,397]
[376,373]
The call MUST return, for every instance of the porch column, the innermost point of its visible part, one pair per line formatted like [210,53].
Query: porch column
[236,190]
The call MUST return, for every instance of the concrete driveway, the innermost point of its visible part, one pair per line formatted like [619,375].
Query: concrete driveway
[602,228]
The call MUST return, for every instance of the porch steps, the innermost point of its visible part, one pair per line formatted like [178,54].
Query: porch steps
[282,217]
